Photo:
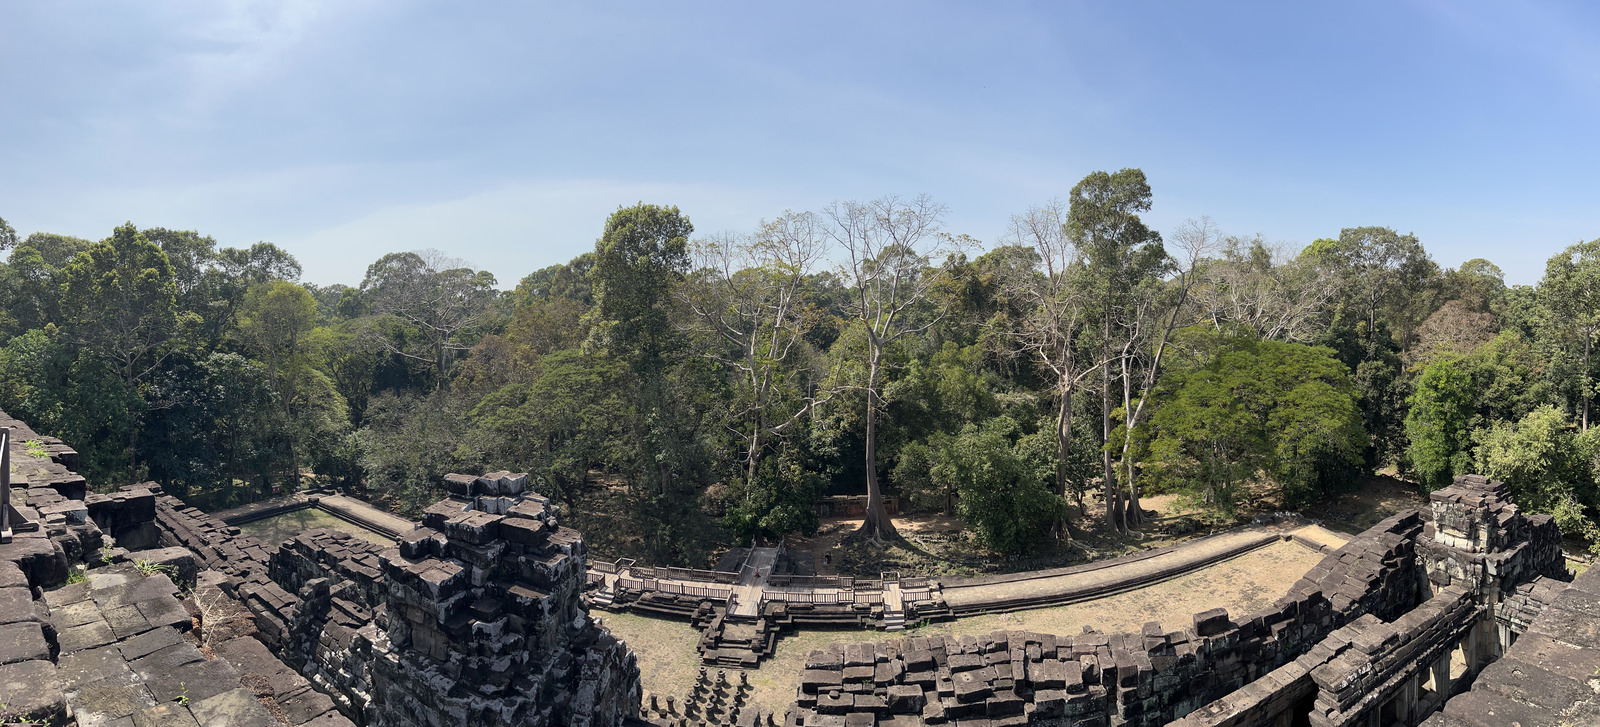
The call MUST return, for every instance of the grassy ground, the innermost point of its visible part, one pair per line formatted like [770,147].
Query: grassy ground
[1378,497]
[278,528]
[668,657]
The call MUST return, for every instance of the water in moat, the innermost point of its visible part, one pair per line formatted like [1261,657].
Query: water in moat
[278,528]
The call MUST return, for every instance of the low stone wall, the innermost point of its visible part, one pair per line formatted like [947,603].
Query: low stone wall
[335,555]
[1148,678]
[987,599]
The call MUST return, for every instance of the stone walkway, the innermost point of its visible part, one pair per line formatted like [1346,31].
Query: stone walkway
[364,514]
[127,658]
[752,579]
[1093,582]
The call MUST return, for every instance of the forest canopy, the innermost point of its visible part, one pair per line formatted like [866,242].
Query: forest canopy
[720,384]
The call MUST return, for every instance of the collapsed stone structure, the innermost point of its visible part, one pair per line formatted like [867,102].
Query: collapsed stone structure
[1365,638]
[473,618]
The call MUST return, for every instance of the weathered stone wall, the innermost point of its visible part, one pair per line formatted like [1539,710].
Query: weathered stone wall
[335,554]
[1550,676]
[1480,539]
[1148,678]
[484,624]
[475,620]
[1487,564]
[143,636]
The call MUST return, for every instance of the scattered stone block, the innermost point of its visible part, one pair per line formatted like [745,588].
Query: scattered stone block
[30,691]
[232,708]
[23,641]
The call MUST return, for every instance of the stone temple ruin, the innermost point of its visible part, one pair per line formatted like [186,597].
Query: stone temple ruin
[473,618]
[1461,615]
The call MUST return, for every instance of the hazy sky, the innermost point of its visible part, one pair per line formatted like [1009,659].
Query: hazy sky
[505,132]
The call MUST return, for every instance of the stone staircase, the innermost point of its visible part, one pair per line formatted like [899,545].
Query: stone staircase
[737,642]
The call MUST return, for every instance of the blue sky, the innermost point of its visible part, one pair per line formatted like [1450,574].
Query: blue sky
[505,132]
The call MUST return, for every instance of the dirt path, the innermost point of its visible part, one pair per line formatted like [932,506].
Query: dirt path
[1086,581]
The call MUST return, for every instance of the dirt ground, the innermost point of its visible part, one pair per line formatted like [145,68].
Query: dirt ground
[667,654]
[1378,497]
[941,545]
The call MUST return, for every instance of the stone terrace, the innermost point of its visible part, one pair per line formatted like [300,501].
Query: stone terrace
[125,644]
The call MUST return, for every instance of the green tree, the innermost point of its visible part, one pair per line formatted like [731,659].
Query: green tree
[1258,408]
[1389,278]
[1120,253]
[569,416]
[1439,423]
[1544,462]
[1570,291]
[275,320]
[60,388]
[34,271]
[1056,294]
[748,296]
[639,259]
[435,303]
[887,246]
[217,427]
[119,299]
[1000,495]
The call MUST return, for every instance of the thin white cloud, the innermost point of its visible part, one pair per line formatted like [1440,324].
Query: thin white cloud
[515,229]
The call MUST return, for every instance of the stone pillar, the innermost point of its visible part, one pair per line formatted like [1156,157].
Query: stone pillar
[1441,678]
[1413,694]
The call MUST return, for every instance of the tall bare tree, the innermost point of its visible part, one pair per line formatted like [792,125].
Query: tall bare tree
[1150,323]
[439,296]
[1054,293]
[1268,290]
[747,290]
[887,246]
[1120,252]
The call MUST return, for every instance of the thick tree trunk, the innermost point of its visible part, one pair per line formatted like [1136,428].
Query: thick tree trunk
[133,424]
[753,455]
[1132,516]
[1588,345]
[1063,446]
[1108,481]
[438,384]
[877,525]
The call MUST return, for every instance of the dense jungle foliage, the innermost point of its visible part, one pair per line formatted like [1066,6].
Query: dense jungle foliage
[729,380]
